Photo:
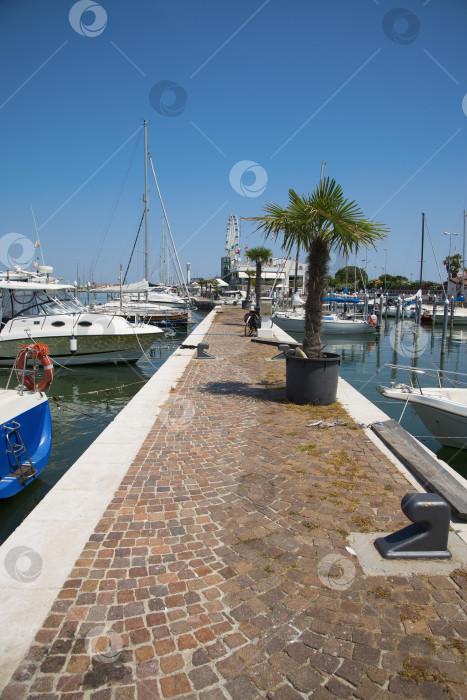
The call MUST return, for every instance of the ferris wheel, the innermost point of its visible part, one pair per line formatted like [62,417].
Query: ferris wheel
[232,240]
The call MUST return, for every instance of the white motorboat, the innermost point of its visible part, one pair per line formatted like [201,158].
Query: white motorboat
[459,318]
[443,410]
[332,324]
[37,309]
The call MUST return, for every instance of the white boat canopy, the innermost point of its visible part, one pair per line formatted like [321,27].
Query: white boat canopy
[132,288]
[220,282]
[34,286]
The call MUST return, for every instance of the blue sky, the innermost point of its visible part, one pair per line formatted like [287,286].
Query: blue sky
[375,90]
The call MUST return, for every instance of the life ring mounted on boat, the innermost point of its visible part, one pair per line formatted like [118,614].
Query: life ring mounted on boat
[40,352]
[372,319]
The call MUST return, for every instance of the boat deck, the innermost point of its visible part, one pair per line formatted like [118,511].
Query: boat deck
[219,568]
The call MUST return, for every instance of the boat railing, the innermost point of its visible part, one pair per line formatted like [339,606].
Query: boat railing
[438,374]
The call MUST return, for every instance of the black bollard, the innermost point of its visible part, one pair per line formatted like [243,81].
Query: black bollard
[427,537]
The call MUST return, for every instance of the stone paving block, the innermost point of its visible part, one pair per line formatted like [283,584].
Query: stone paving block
[203,572]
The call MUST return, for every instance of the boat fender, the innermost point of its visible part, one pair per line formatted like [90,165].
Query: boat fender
[73,344]
[41,353]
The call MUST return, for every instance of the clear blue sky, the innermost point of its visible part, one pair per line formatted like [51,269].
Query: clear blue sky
[376,92]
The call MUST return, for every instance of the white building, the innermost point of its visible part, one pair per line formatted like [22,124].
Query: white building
[277,272]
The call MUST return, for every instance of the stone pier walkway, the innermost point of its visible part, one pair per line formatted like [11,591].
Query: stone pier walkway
[220,569]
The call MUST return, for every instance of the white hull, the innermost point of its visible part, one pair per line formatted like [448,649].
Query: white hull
[391,312]
[291,323]
[100,338]
[442,411]
[460,317]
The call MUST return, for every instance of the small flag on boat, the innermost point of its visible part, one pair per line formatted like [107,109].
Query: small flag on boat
[246,247]
[37,244]
[35,266]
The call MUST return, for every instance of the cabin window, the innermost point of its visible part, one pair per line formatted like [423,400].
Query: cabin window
[85,323]
[55,323]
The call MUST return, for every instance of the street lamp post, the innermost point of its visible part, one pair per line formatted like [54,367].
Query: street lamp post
[450,239]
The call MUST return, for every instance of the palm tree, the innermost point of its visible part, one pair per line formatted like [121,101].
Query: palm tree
[319,223]
[259,256]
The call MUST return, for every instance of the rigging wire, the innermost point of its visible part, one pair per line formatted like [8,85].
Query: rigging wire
[96,258]
[436,259]
[134,246]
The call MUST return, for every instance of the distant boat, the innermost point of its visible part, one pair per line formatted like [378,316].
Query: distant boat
[332,324]
[459,318]
[25,432]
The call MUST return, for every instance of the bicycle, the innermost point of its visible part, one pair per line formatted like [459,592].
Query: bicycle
[252,322]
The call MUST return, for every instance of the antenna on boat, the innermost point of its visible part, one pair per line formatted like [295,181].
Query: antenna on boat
[37,244]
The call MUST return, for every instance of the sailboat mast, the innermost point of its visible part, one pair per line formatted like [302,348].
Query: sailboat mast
[463,264]
[421,257]
[146,244]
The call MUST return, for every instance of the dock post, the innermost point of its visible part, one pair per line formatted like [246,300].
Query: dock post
[380,313]
[365,306]
[433,318]
[452,311]
[445,322]
[418,311]
[398,310]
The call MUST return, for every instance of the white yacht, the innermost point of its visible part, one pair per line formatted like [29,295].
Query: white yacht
[36,308]
[442,409]
[331,324]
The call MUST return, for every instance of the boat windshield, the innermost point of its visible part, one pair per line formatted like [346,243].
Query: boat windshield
[22,302]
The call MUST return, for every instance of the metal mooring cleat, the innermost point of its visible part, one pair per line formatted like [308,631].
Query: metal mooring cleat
[427,537]
[202,355]
[284,349]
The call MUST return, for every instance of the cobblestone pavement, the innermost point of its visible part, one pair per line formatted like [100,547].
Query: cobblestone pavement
[219,569]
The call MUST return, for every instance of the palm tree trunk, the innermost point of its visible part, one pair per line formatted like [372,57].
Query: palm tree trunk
[258,281]
[318,258]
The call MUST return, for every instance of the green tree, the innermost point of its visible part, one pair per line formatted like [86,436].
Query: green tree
[319,223]
[349,273]
[453,264]
[259,256]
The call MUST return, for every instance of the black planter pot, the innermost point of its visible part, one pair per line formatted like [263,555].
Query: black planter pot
[246,304]
[312,381]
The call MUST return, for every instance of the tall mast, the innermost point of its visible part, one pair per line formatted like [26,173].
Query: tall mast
[423,240]
[463,263]
[146,245]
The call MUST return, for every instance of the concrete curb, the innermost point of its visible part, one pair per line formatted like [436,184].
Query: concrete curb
[55,533]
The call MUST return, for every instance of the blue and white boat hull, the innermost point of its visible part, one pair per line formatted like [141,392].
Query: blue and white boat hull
[24,421]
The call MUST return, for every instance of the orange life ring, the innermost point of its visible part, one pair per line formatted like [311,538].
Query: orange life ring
[41,353]
[371,320]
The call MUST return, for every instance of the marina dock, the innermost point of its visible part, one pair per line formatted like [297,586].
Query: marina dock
[215,542]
